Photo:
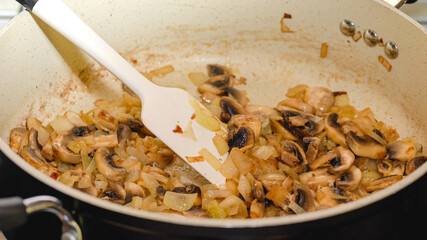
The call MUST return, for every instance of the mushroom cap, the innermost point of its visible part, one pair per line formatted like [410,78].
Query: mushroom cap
[216,69]
[302,124]
[105,165]
[216,84]
[319,97]
[229,108]
[415,163]
[18,137]
[333,129]
[350,179]
[402,150]
[293,154]
[311,148]
[303,197]
[296,104]
[343,161]
[61,152]
[319,177]
[244,131]
[360,143]
[389,167]
[240,96]
[123,133]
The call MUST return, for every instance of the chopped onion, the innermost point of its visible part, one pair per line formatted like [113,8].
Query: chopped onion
[67,179]
[220,144]
[43,136]
[217,193]
[75,118]
[61,125]
[160,72]
[215,211]
[265,152]
[341,100]
[296,208]
[385,63]
[205,119]
[150,183]
[214,107]
[33,123]
[228,169]
[179,201]
[211,159]
[357,36]
[189,132]
[240,160]
[231,205]
[324,50]
[245,189]
[135,203]
[138,154]
[289,171]
[85,182]
[197,78]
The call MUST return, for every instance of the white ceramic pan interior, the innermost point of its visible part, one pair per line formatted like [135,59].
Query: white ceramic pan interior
[43,75]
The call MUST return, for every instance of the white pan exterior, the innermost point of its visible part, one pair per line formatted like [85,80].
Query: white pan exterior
[39,69]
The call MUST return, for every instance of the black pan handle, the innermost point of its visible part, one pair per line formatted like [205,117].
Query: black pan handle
[410,1]
[14,212]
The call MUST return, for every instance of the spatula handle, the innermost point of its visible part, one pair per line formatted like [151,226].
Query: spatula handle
[61,18]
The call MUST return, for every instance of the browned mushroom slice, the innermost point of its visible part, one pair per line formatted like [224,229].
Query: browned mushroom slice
[402,150]
[18,139]
[350,179]
[216,84]
[30,156]
[331,197]
[244,131]
[239,95]
[415,163]
[323,160]
[302,124]
[381,183]
[258,191]
[295,104]
[93,141]
[106,166]
[316,178]
[123,133]
[338,160]
[133,189]
[333,129]
[34,143]
[61,152]
[311,148]
[114,193]
[319,97]
[229,108]
[216,69]
[293,155]
[389,167]
[161,158]
[360,143]
[303,197]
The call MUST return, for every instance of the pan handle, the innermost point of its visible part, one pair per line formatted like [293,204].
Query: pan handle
[14,212]
[398,3]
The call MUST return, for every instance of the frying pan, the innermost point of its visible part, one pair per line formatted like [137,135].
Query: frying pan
[42,75]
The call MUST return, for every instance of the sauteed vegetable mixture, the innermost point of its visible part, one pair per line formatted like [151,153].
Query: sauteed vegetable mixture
[311,151]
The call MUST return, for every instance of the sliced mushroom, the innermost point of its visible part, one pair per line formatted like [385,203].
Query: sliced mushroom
[18,139]
[260,109]
[296,104]
[216,69]
[61,152]
[258,191]
[244,131]
[337,160]
[31,157]
[239,95]
[415,163]
[333,196]
[95,142]
[389,167]
[91,190]
[349,180]
[229,108]
[293,155]
[333,129]
[402,150]
[123,133]
[216,84]
[106,166]
[319,97]
[303,197]
[161,158]
[114,193]
[34,143]
[316,178]
[311,148]
[82,130]
[133,189]
[302,124]
[381,183]
[360,143]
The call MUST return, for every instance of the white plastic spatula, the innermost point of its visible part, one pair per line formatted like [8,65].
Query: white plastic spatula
[162,108]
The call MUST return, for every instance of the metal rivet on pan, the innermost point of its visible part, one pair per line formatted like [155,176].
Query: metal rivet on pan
[347,27]
[370,37]
[391,50]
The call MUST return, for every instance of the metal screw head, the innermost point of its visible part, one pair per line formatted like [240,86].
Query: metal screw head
[347,27]
[370,37]
[391,50]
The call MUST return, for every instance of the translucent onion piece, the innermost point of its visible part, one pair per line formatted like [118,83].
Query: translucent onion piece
[61,125]
[179,201]
[296,208]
